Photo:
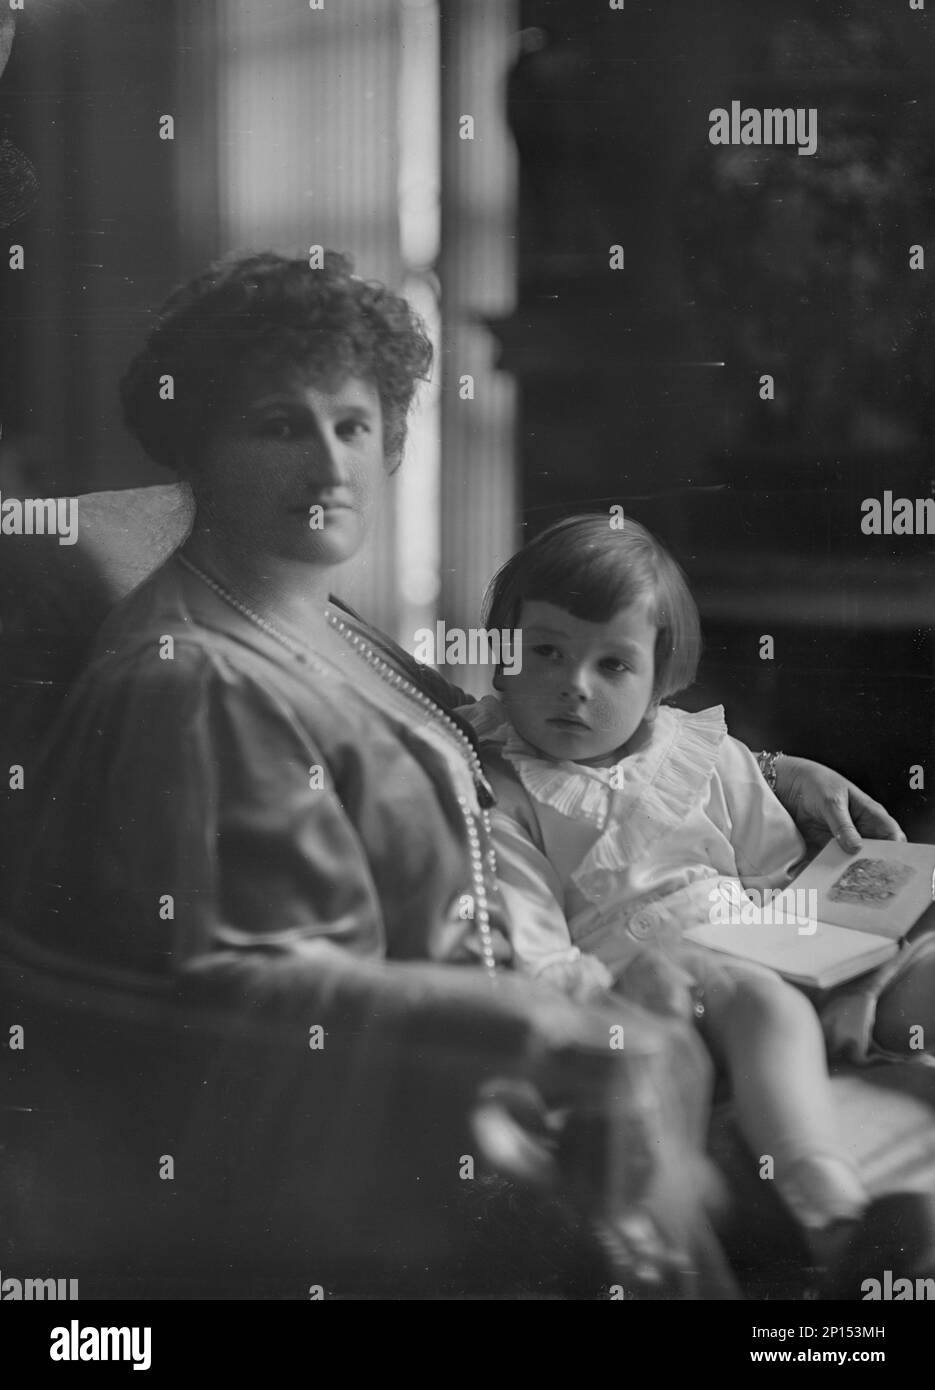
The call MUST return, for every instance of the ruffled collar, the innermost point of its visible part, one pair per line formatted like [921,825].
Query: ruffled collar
[634,802]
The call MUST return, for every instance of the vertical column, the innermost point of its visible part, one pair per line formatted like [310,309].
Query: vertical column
[199,39]
[477,268]
[307,113]
[418,528]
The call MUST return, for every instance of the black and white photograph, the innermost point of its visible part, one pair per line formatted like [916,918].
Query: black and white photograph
[467,545]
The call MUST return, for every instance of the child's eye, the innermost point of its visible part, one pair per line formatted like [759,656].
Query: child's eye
[352,429]
[547,650]
[614,665]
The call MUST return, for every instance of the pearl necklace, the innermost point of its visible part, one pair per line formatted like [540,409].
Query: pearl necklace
[426,705]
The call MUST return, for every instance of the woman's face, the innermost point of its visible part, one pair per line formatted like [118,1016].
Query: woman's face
[295,467]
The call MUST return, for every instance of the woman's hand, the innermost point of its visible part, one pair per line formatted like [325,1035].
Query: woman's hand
[825,804]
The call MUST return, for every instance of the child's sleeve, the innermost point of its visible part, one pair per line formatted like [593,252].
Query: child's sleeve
[531,892]
[768,848]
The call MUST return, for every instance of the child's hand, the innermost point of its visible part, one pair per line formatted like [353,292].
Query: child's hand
[583,979]
[659,985]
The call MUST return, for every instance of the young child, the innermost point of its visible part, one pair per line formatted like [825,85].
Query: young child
[619,820]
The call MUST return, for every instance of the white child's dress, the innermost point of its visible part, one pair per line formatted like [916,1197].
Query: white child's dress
[606,861]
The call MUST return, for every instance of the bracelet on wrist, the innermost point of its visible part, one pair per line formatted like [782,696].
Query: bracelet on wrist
[767,765]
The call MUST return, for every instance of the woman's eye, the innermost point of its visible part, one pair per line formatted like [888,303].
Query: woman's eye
[277,428]
[547,650]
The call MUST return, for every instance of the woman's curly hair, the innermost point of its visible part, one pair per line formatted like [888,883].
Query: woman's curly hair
[269,311]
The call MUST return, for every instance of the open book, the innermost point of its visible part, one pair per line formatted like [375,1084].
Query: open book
[845,914]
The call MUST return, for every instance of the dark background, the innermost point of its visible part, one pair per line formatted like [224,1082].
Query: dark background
[767,262]
[757,259]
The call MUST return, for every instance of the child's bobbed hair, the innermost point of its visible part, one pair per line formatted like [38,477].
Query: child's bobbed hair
[592,569]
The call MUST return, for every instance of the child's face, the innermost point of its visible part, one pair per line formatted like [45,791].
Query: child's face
[584,688]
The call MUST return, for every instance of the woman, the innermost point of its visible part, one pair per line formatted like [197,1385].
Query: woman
[252,792]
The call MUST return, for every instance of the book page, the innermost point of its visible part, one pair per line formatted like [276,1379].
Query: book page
[883,889]
[824,958]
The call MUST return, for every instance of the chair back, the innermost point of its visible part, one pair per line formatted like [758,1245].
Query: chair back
[53,598]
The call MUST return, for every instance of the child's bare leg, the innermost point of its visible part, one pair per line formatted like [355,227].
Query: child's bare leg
[770,1040]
